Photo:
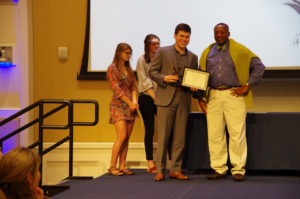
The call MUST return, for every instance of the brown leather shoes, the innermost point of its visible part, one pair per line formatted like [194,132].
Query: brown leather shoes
[159,177]
[178,175]
[238,177]
[216,176]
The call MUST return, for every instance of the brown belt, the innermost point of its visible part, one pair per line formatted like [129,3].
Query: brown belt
[222,88]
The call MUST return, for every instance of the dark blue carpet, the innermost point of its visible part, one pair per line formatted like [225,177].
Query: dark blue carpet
[142,186]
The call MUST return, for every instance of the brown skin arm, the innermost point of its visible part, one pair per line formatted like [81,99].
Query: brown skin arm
[240,91]
[203,106]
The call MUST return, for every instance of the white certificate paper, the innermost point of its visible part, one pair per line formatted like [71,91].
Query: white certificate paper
[195,78]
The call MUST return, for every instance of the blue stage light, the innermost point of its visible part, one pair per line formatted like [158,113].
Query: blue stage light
[15,1]
[6,64]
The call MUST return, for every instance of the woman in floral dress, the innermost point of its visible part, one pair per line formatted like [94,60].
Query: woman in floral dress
[123,106]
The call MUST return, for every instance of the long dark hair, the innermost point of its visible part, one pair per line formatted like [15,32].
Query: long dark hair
[121,47]
[147,43]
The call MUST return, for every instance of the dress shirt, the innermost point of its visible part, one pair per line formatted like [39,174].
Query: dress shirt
[222,70]
[182,62]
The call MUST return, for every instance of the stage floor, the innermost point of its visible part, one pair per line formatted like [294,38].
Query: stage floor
[142,186]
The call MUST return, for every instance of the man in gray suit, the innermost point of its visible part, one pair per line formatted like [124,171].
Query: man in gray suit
[172,100]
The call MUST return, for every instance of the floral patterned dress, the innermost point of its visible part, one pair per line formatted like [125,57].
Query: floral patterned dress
[119,110]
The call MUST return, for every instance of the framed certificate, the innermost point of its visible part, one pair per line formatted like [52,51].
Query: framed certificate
[195,78]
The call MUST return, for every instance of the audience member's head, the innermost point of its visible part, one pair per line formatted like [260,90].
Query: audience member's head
[20,175]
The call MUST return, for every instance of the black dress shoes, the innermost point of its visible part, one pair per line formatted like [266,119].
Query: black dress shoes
[216,176]
[238,177]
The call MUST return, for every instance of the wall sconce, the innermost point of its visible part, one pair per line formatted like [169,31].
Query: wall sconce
[6,56]
[3,55]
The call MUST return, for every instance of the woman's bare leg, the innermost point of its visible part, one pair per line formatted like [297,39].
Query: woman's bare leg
[124,148]
[121,130]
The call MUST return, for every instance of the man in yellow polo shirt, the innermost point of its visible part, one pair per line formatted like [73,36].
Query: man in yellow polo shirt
[233,69]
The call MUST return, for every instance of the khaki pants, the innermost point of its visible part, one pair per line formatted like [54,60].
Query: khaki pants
[225,109]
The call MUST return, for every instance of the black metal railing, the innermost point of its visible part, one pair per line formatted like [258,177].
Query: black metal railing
[40,120]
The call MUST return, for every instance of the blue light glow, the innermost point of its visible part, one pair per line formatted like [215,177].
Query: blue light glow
[6,129]
[15,1]
[6,64]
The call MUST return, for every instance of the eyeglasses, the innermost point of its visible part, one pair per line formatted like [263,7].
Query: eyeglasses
[128,53]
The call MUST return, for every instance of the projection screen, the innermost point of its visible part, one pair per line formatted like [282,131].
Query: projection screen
[270,28]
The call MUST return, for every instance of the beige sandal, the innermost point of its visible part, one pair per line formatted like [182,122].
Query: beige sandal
[126,172]
[115,172]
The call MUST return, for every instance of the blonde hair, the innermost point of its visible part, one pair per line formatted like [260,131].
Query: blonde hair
[15,166]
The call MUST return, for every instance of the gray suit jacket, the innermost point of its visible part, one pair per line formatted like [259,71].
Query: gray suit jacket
[162,65]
